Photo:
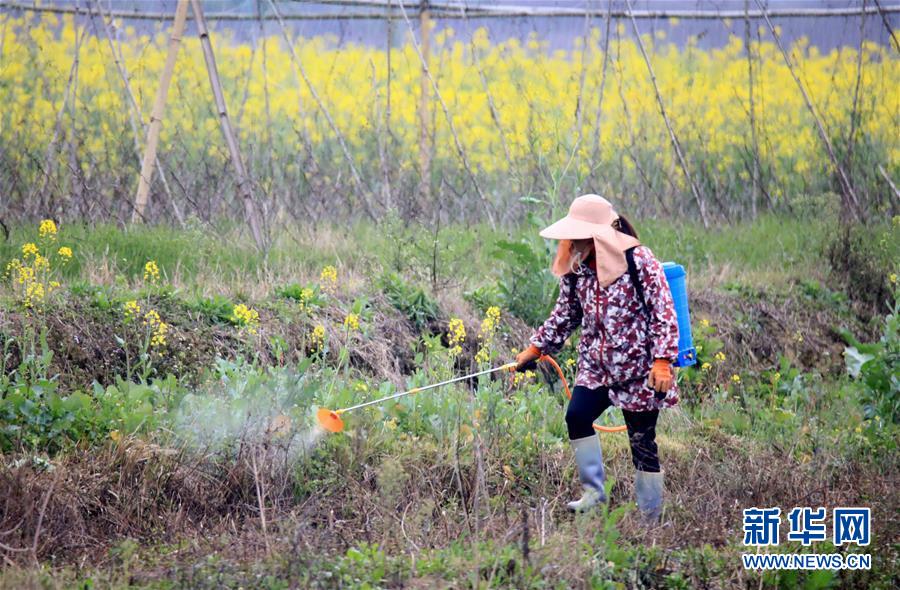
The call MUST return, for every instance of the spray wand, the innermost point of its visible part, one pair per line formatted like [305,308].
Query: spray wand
[331,420]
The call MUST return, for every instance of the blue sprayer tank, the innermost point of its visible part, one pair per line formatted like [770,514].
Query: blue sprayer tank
[675,275]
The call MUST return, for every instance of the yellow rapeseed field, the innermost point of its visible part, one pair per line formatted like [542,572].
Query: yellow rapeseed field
[535,91]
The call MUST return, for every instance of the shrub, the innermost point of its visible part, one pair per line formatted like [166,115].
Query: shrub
[410,300]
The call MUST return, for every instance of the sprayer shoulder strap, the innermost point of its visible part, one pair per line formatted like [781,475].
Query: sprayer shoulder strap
[636,280]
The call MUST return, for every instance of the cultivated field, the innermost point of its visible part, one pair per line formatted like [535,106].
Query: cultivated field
[160,378]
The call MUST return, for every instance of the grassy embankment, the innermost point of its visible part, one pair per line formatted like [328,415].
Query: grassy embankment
[131,461]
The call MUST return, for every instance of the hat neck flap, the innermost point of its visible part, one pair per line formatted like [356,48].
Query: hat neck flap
[609,249]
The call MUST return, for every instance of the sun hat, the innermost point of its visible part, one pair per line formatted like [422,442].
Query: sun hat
[587,215]
[591,217]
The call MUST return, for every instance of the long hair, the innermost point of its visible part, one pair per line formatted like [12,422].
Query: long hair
[571,253]
[623,225]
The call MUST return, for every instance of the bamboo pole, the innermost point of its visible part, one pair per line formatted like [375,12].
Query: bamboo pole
[156,115]
[424,149]
[887,24]
[662,109]
[849,202]
[458,11]
[357,179]
[459,148]
[384,137]
[134,113]
[855,114]
[754,139]
[244,186]
[57,125]
[599,115]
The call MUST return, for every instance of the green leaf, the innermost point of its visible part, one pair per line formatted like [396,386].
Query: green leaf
[855,360]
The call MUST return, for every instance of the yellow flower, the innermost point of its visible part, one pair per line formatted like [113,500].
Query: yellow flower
[351,322]
[317,338]
[483,355]
[893,278]
[776,377]
[151,318]
[13,266]
[132,309]
[328,277]
[736,378]
[47,229]
[488,329]
[705,367]
[65,253]
[151,271]
[456,335]
[34,294]
[704,322]
[41,263]
[158,328]
[29,249]
[306,296]
[570,362]
[245,317]
[720,356]
[25,274]
[158,339]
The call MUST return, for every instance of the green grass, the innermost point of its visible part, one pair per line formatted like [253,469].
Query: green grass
[771,244]
[405,463]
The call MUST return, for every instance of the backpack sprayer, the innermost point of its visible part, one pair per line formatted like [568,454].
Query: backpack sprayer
[331,420]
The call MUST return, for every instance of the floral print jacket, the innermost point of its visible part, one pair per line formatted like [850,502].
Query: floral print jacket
[614,351]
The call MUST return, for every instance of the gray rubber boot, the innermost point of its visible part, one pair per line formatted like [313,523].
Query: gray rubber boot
[589,458]
[648,488]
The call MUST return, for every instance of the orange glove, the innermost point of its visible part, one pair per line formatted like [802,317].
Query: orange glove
[661,377]
[527,359]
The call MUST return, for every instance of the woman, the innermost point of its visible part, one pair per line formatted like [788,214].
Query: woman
[626,351]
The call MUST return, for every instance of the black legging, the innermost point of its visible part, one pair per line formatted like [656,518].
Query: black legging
[587,405]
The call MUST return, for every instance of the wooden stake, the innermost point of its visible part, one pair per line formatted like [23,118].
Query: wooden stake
[156,115]
[244,187]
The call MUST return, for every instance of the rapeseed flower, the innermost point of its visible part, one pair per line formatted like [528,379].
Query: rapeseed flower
[30,249]
[47,230]
[328,278]
[720,357]
[245,317]
[317,338]
[132,310]
[456,335]
[151,271]
[158,328]
[65,253]
[489,326]
[533,119]
[34,295]
[351,322]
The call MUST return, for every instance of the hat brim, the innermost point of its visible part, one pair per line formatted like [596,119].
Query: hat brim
[569,228]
